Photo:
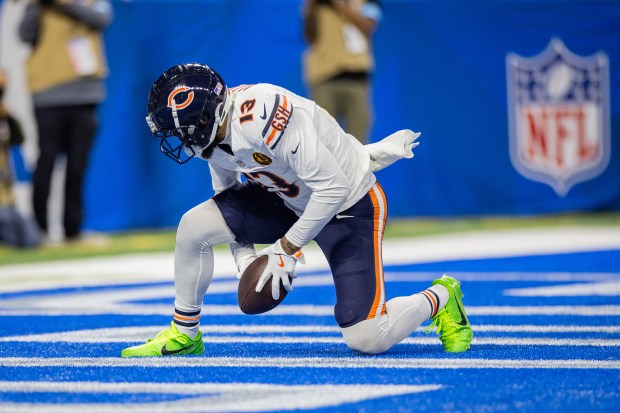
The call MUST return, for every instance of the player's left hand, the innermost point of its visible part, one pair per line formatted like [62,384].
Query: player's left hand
[279,267]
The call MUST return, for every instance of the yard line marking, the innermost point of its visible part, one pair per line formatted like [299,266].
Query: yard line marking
[300,310]
[132,337]
[141,333]
[308,362]
[535,328]
[397,276]
[605,289]
[208,397]
[509,341]
[576,310]
[174,388]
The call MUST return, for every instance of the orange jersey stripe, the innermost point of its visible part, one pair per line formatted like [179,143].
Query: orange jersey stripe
[271,135]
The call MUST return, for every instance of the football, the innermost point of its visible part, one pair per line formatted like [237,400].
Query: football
[251,302]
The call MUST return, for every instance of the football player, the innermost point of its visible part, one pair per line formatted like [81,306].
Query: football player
[305,179]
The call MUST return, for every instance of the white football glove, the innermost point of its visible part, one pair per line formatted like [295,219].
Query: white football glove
[279,267]
[398,145]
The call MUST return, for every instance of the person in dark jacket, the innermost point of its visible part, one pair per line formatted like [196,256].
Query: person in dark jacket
[66,73]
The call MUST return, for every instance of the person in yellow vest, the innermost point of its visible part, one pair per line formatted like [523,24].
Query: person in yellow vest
[65,73]
[339,62]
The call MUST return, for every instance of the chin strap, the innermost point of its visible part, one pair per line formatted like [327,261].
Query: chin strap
[177,124]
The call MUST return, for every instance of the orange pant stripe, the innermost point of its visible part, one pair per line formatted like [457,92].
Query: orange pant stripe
[380,217]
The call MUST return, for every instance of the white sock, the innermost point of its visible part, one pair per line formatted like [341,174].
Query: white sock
[191,332]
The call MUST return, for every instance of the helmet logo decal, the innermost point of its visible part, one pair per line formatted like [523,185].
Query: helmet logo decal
[182,105]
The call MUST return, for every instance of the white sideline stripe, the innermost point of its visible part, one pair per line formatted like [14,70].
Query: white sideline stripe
[311,310]
[308,362]
[206,397]
[432,248]
[178,388]
[135,273]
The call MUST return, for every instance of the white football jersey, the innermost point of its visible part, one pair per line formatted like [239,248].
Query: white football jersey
[292,147]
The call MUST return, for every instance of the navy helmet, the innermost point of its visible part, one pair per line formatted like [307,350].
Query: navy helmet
[187,102]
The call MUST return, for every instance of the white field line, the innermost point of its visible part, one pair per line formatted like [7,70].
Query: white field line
[425,341]
[606,289]
[171,388]
[206,397]
[307,362]
[470,277]
[140,333]
[546,328]
[306,310]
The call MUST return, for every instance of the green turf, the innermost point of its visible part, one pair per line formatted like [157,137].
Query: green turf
[163,240]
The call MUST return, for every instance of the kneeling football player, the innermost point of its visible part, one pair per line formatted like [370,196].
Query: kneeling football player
[305,179]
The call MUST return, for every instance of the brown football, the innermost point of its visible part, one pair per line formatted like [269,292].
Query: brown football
[251,302]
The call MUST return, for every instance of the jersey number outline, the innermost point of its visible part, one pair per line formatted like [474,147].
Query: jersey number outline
[286,189]
[245,108]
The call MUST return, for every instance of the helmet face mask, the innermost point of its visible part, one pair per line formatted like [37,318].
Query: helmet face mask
[187,104]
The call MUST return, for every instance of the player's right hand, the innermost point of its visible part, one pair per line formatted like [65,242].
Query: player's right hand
[279,268]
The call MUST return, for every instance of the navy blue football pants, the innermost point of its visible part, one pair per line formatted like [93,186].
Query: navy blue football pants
[351,242]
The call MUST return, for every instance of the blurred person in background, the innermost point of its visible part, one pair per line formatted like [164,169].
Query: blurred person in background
[339,62]
[15,229]
[65,73]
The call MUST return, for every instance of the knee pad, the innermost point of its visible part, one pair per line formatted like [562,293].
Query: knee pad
[367,336]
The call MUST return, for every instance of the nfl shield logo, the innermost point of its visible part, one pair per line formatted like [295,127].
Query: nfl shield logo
[558,106]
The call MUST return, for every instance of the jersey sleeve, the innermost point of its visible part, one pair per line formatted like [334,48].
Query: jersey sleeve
[315,165]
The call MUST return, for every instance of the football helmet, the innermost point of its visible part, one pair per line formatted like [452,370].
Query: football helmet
[188,103]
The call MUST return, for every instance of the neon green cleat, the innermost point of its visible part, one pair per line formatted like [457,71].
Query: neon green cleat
[167,343]
[451,321]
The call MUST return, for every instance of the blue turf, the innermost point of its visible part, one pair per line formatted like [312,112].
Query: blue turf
[463,390]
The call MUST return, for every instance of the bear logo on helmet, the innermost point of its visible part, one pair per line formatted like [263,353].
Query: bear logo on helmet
[176,91]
